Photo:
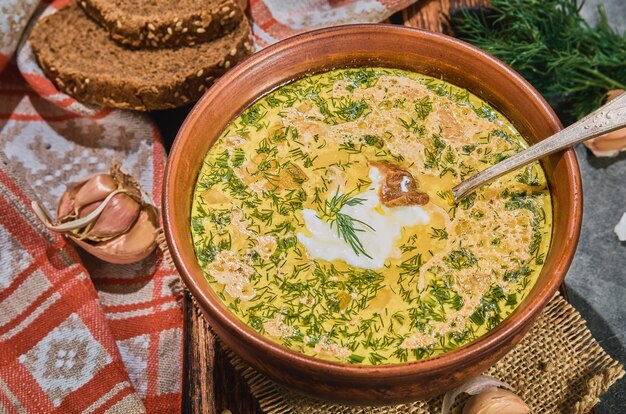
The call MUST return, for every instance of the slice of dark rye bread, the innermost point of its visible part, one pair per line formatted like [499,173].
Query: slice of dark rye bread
[164,23]
[80,58]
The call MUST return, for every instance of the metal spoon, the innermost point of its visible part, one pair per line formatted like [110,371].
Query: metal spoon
[605,119]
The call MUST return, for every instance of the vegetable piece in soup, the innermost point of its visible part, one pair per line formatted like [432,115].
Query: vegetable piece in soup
[322,217]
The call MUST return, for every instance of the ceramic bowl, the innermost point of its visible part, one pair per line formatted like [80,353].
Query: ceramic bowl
[384,46]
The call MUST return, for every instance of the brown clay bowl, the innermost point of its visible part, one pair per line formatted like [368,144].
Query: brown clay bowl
[387,46]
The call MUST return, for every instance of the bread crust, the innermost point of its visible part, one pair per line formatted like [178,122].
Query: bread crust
[165,31]
[129,88]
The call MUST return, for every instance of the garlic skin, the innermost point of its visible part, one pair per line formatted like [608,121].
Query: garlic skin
[611,144]
[107,216]
[496,401]
[243,4]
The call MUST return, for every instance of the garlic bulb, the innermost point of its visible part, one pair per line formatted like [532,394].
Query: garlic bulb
[107,216]
[611,144]
[476,385]
[496,401]
[487,398]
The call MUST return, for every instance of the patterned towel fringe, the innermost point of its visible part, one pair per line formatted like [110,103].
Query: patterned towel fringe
[162,244]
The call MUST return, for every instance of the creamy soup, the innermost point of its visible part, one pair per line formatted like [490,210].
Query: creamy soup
[323,217]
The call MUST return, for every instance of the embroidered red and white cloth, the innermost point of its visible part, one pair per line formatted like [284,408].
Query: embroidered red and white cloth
[78,334]
[273,20]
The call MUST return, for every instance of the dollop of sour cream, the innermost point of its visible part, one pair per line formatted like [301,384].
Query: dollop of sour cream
[378,241]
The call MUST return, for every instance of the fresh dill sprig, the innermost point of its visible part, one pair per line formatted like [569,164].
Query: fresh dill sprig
[347,226]
[553,47]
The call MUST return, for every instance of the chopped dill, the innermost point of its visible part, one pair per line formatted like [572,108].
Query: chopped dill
[528,176]
[423,108]
[360,78]
[349,109]
[485,111]
[461,259]
[373,141]
[439,234]
[238,158]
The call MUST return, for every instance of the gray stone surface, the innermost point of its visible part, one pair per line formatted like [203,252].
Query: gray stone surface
[615,10]
[597,278]
[596,281]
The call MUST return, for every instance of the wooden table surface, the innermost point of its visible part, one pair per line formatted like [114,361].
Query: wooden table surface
[210,383]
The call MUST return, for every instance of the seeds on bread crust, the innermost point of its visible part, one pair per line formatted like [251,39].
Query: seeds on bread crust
[170,26]
[130,79]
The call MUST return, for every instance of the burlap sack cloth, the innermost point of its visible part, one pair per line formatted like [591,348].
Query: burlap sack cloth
[557,368]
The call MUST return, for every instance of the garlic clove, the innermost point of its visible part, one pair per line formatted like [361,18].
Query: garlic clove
[94,189]
[497,401]
[130,247]
[477,385]
[614,93]
[608,145]
[117,217]
[65,209]
[611,144]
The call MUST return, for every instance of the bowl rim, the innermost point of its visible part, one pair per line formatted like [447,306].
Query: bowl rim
[473,350]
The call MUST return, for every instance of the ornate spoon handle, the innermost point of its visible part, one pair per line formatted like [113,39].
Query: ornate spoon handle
[605,119]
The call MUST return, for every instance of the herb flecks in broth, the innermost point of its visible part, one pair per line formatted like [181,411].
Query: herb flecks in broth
[304,236]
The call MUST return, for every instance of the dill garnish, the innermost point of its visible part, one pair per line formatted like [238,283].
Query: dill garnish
[349,109]
[347,226]
[553,47]
[433,155]
[413,126]
[485,111]
[423,107]
[361,77]
[373,141]
[439,234]
[356,358]
[252,117]
[528,176]
[238,157]
[468,149]
[461,259]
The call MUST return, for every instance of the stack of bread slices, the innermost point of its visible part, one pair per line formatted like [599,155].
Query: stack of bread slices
[140,54]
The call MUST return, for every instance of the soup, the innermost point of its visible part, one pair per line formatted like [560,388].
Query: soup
[323,217]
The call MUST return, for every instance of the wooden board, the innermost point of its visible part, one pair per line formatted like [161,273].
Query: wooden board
[210,383]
